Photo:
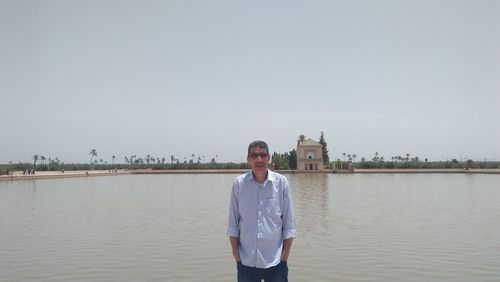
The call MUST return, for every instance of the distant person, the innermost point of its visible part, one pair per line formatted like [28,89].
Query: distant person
[62,171]
[261,225]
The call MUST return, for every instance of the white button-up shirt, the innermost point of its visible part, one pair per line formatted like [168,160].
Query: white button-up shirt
[261,216]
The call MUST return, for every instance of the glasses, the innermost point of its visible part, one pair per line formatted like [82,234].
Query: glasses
[256,155]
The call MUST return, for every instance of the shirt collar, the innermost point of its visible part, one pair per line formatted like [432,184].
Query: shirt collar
[270,176]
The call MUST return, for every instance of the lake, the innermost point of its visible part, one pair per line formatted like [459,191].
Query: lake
[351,227]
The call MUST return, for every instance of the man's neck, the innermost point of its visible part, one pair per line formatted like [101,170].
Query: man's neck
[260,177]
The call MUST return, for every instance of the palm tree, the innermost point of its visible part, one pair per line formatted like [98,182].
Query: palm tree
[354,157]
[35,158]
[113,157]
[42,159]
[343,154]
[93,153]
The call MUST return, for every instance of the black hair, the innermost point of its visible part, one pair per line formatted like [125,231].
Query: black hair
[258,144]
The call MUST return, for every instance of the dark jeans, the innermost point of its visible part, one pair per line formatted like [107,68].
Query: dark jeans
[278,273]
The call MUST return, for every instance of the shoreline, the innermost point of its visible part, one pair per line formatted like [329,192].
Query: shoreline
[430,170]
[17,175]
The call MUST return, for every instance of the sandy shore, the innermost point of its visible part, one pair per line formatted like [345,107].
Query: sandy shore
[208,171]
[188,171]
[472,171]
[18,175]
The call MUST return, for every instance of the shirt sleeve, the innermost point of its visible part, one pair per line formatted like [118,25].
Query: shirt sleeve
[233,229]
[289,229]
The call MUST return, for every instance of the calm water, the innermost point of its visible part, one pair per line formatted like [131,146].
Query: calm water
[380,227]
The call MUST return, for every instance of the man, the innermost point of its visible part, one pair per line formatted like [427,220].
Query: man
[261,224]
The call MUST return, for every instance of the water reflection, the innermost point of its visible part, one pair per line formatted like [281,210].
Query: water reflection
[311,196]
[33,195]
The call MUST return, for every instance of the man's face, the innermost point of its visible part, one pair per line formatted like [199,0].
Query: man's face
[258,159]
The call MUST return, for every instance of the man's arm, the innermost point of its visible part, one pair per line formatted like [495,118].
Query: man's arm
[288,216]
[289,229]
[287,245]
[235,242]
[233,230]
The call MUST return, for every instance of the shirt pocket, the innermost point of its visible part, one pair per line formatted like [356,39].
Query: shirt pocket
[273,207]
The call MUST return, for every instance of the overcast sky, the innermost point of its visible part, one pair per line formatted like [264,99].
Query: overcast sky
[207,77]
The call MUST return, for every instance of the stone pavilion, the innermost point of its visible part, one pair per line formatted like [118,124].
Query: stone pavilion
[310,155]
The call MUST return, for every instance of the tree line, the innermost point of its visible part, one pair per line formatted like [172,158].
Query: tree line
[279,161]
[42,163]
